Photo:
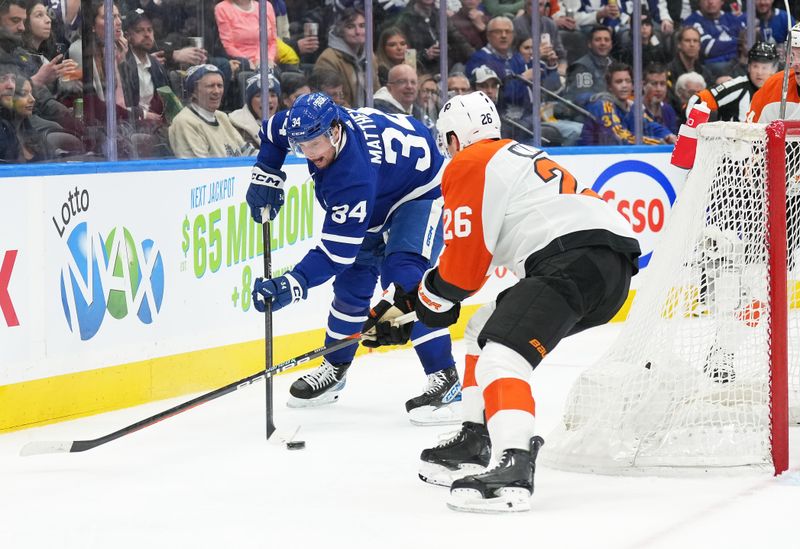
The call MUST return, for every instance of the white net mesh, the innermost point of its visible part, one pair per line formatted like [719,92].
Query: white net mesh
[686,385]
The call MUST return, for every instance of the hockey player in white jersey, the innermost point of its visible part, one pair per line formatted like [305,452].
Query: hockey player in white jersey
[508,204]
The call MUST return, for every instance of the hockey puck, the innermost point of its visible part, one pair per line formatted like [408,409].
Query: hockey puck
[296,445]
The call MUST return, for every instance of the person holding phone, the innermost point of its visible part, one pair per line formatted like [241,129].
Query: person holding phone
[419,21]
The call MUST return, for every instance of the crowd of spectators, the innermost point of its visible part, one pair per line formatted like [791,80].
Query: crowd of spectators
[187,83]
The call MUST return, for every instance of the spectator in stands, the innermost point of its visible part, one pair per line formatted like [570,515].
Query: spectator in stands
[498,54]
[346,55]
[773,24]
[201,130]
[498,51]
[248,119]
[391,51]
[399,94]
[548,33]
[8,85]
[687,56]
[428,99]
[170,21]
[329,83]
[522,64]
[504,8]
[30,129]
[126,90]
[13,14]
[66,22]
[238,26]
[487,81]
[731,101]
[614,117]
[719,33]
[656,106]
[592,13]
[687,85]
[654,50]
[471,22]
[322,16]
[38,39]
[305,43]
[38,36]
[587,76]
[293,85]
[419,21]
[9,143]
[147,74]
[458,84]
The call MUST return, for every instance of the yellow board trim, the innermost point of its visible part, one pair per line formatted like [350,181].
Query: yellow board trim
[60,398]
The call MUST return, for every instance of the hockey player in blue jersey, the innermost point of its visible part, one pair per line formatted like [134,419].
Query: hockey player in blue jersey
[378,178]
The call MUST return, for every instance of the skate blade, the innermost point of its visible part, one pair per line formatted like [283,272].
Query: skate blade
[433,473]
[430,415]
[322,400]
[508,500]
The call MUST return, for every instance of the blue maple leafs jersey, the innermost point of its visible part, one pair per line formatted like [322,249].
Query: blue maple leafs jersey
[386,161]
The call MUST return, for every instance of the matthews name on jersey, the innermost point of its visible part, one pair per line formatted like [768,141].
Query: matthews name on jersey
[385,161]
[505,217]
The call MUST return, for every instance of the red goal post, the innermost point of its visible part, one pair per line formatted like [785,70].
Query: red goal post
[783,148]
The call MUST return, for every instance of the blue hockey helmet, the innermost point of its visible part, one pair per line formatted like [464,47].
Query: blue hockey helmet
[311,115]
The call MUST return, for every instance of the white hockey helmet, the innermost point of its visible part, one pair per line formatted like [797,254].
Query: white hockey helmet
[796,36]
[471,117]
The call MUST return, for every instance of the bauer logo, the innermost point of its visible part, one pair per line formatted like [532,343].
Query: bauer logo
[643,195]
[115,276]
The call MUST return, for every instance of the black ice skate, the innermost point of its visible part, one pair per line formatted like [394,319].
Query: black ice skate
[440,404]
[719,365]
[504,488]
[467,452]
[320,387]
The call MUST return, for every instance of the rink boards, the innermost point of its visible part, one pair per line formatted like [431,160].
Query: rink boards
[129,282]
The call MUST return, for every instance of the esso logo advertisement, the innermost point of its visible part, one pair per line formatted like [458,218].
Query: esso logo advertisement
[643,195]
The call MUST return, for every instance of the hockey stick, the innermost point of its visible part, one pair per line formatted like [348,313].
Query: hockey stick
[785,85]
[269,396]
[57,447]
[264,75]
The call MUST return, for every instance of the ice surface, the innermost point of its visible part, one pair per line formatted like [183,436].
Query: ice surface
[208,479]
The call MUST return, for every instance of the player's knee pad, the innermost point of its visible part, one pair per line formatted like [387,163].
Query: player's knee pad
[474,327]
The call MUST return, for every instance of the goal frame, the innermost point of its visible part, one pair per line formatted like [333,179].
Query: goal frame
[696,383]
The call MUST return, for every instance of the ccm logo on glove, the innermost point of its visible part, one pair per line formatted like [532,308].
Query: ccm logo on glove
[261,178]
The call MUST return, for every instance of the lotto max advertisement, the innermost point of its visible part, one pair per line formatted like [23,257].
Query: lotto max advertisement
[130,270]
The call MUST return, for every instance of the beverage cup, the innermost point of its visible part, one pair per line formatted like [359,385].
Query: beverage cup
[310,29]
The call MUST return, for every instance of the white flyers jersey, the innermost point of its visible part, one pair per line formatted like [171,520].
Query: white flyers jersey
[505,203]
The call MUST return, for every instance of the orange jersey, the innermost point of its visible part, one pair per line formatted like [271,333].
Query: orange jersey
[766,103]
[504,202]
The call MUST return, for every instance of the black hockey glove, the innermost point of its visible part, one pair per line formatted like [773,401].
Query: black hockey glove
[434,310]
[382,326]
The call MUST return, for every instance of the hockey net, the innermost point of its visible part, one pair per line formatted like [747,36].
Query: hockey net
[698,376]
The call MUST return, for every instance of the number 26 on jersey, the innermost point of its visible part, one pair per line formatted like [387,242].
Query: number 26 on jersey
[456,222]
